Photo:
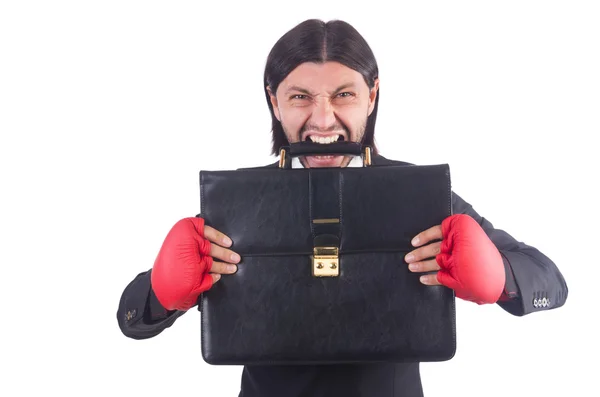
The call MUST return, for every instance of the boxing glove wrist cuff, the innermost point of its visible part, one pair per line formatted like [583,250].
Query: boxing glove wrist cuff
[511,290]
[157,311]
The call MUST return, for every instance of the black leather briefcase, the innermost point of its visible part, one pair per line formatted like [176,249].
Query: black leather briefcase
[322,278]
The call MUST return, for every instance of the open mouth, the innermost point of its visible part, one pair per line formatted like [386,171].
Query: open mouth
[324,161]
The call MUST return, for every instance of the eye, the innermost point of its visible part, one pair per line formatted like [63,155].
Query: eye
[298,96]
[345,94]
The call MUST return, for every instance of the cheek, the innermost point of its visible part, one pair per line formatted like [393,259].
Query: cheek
[294,118]
[353,118]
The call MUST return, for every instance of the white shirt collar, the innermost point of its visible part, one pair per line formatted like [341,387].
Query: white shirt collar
[355,162]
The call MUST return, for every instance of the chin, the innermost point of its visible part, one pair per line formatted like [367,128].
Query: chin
[324,161]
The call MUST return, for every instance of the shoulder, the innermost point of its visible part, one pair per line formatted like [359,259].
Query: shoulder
[379,160]
[272,165]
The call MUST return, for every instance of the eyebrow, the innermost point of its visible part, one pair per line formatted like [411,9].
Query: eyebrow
[305,91]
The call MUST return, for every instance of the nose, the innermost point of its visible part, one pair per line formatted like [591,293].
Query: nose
[323,115]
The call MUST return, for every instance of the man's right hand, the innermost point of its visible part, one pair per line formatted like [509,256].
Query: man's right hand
[185,267]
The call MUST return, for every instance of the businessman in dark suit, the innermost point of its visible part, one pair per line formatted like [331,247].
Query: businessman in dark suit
[321,84]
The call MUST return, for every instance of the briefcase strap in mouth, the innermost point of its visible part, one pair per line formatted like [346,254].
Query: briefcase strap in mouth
[315,149]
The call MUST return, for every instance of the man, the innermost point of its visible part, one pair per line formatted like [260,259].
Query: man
[321,84]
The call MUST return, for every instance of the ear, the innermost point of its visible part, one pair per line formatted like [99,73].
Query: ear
[274,103]
[373,95]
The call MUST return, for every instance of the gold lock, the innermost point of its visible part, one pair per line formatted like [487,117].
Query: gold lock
[326,262]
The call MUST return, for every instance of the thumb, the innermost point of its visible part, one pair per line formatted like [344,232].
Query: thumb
[444,275]
[446,279]
[207,282]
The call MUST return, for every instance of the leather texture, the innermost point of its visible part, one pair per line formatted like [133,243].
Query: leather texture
[274,311]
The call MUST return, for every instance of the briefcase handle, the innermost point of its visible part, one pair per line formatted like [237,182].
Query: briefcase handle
[315,149]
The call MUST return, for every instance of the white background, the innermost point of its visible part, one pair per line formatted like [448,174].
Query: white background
[108,111]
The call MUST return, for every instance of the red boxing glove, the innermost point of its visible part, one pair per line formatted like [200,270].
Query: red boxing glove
[180,272]
[470,262]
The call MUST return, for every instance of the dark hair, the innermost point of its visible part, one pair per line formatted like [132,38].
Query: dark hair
[317,41]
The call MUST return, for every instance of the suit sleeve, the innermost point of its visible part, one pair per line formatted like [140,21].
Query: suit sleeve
[533,281]
[140,315]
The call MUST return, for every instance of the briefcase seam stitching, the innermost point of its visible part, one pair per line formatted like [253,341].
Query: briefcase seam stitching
[448,179]
[310,201]
[449,191]
[340,183]
[201,193]
[202,316]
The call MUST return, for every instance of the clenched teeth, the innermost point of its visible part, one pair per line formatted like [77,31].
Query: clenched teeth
[324,139]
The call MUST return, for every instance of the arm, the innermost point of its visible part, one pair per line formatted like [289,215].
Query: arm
[533,281]
[140,315]
[183,269]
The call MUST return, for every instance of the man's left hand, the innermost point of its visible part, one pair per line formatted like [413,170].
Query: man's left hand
[463,257]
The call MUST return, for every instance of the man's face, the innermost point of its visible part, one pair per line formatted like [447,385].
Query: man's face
[324,103]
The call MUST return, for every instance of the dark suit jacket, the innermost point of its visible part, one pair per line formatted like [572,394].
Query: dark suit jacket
[533,284]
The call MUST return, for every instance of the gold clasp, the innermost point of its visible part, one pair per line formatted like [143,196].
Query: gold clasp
[326,262]
[367,157]
[281,158]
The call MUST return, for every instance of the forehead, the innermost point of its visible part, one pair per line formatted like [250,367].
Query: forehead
[318,77]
